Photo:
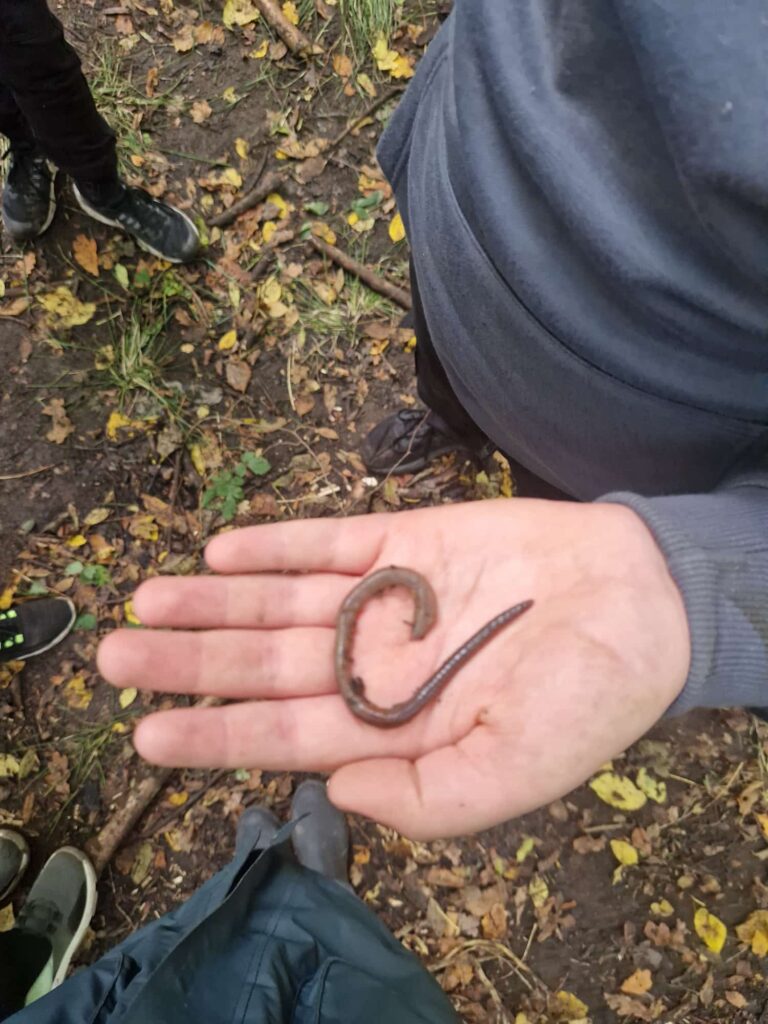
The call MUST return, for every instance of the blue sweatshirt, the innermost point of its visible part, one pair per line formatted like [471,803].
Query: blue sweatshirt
[585,189]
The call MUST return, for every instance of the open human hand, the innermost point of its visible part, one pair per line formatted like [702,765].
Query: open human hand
[597,660]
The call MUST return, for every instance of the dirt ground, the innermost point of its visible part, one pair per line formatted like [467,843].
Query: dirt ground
[145,407]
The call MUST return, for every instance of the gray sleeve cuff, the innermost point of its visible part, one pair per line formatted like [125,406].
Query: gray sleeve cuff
[716,547]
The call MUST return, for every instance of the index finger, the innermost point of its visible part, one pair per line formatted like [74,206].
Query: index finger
[311,545]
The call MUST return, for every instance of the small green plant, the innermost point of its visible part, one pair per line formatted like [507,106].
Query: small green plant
[225,491]
[94,575]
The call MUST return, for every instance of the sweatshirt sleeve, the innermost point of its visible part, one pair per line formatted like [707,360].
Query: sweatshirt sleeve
[716,546]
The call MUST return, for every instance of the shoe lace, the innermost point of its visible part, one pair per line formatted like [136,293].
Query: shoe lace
[40,916]
[10,630]
[143,212]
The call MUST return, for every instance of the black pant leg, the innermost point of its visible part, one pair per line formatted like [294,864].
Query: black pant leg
[42,72]
[13,124]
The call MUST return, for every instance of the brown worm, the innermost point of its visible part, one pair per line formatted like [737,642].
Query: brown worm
[352,687]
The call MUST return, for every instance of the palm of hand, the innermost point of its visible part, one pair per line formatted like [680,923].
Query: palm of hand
[532,714]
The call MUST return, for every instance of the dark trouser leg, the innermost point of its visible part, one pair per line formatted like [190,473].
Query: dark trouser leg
[432,382]
[436,393]
[42,74]
[12,122]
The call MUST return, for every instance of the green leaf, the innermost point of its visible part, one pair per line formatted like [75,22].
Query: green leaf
[98,575]
[36,589]
[257,464]
[319,209]
[74,569]
[86,620]
[121,275]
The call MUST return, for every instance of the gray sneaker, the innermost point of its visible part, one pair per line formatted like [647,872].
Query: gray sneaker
[321,836]
[58,909]
[14,858]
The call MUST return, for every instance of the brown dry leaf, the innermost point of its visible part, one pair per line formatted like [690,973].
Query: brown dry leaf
[238,375]
[207,32]
[494,923]
[637,984]
[124,25]
[200,111]
[589,844]
[446,878]
[143,527]
[184,40]
[457,975]
[151,82]
[84,252]
[15,307]
[342,65]
[736,999]
[62,426]
[626,1006]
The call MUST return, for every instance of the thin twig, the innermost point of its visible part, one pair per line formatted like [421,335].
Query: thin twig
[269,183]
[366,275]
[384,98]
[28,472]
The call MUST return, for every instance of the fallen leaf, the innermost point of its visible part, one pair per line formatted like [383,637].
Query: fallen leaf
[527,846]
[736,999]
[227,341]
[127,697]
[96,516]
[150,84]
[200,111]
[260,51]
[62,426]
[77,694]
[238,375]
[710,929]
[762,820]
[391,61]
[637,984]
[242,148]
[342,65]
[663,908]
[290,12]
[64,310]
[366,84]
[117,423]
[538,890]
[397,228]
[78,541]
[184,40]
[624,852]
[618,791]
[565,1006]
[9,766]
[239,12]
[84,252]
[16,307]
[178,799]
[654,789]
[754,931]
[7,920]
[141,864]
[321,230]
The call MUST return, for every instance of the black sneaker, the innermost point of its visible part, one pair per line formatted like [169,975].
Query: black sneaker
[32,628]
[157,227]
[29,196]
[14,858]
[407,441]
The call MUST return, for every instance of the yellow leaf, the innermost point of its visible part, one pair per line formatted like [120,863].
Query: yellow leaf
[196,455]
[397,228]
[130,615]
[267,230]
[270,291]
[242,148]
[654,789]
[618,791]
[239,12]
[8,766]
[395,63]
[96,516]
[119,727]
[352,219]
[127,697]
[569,1007]
[277,200]
[754,931]
[525,848]
[64,310]
[77,694]
[710,929]
[662,909]
[624,852]
[84,251]
[144,527]
[261,51]
[321,230]
[7,920]
[538,890]
[366,84]
[78,541]
[118,422]
[227,341]
[762,820]
[178,799]
[637,984]
[6,598]
[230,95]
[173,839]
[289,10]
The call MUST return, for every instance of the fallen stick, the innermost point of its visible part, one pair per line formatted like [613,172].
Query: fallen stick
[371,109]
[269,183]
[292,36]
[105,844]
[366,275]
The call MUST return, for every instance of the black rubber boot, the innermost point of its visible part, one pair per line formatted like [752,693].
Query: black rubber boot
[321,836]
[256,829]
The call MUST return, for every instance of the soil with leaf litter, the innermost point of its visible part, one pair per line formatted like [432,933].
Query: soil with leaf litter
[145,407]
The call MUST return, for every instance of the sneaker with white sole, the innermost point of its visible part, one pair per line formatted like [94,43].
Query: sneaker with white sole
[14,858]
[29,196]
[158,227]
[29,629]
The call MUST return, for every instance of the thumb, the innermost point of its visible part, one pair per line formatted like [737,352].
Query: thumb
[430,798]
